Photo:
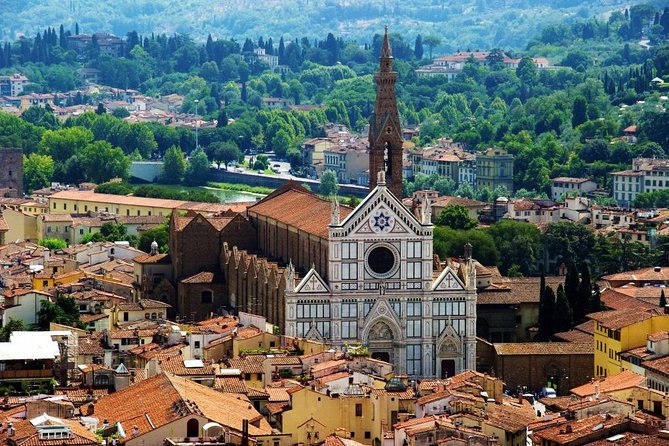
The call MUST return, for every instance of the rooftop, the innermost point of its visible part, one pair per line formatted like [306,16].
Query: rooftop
[623,380]
[544,348]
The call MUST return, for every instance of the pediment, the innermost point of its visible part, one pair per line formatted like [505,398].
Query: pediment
[380,213]
[312,283]
[448,281]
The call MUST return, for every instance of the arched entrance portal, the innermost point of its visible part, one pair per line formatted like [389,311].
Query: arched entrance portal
[381,342]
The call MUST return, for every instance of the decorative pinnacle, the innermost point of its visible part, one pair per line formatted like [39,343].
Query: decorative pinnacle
[386,52]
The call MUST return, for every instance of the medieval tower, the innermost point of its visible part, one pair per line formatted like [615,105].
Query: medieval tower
[385,131]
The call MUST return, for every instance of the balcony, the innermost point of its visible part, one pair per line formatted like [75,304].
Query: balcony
[26,374]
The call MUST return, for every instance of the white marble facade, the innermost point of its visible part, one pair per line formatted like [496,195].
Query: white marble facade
[383,292]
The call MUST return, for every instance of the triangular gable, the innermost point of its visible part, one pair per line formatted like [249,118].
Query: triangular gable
[312,283]
[448,280]
[381,197]
[313,334]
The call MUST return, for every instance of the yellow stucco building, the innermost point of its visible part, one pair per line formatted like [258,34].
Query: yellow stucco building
[364,416]
[82,201]
[620,330]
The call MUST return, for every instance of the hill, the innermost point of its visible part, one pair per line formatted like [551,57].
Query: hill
[461,24]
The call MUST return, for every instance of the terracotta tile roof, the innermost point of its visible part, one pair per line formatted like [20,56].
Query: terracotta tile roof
[175,364]
[623,380]
[126,334]
[544,348]
[328,364]
[277,408]
[204,277]
[619,299]
[217,222]
[657,337]
[446,200]
[28,435]
[91,345]
[230,384]
[56,218]
[86,318]
[165,398]
[634,440]
[151,350]
[248,364]
[644,274]
[248,332]
[617,319]
[295,206]
[335,440]
[333,377]
[277,394]
[575,336]
[515,290]
[148,258]
[569,180]
[579,429]
[659,365]
[80,395]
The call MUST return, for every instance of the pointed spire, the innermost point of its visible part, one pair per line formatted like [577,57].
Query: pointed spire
[426,211]
[335,218]
[290,276]
[386,52]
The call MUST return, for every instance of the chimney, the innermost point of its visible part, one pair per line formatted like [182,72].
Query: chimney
[568,429]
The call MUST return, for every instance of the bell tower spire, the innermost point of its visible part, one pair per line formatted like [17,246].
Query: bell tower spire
[385,131]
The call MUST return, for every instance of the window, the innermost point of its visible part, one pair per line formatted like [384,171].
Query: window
[147,315]
[396,306]
[125,316]
[349,309]
[349,250]
[313,310]
[414,366]
[349,271]
[414,250]
[442,308]
[81,231]
[349,329]
[196,344]
[414,309]
[368,435]
[358,410]
[138,212]
[207,297]
[414,328]
[154,316]
[414,270]
[367,307]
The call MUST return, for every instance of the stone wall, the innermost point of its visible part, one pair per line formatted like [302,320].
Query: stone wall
[11,170]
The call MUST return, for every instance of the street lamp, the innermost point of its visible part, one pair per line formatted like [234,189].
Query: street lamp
[197,124]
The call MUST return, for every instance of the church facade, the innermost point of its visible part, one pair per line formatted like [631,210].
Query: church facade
[383,292]
[381,287]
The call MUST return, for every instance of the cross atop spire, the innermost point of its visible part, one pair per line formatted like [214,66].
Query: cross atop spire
[386,52]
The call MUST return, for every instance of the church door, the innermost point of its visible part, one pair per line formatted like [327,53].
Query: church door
[381,356]
[447,368]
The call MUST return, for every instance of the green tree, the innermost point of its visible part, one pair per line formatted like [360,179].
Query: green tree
[563,312]
[595,301]
[64,143]
[101,162]
[457,217]
[161,236]
[224,153]
[174,166]
[418,47]
[328,184]
[519,243]
[115,188]
[571,284]
[53,243]
[37,171]
[197,171]
[568,241]
[41,116]
[9,327]
[120,112]
[431,42]
[584,293]
[546,313]
[579,111]
[64,311]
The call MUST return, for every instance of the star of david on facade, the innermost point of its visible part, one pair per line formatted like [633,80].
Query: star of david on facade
[382,221]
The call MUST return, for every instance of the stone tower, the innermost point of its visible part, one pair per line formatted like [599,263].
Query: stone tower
[11,171]
[385,131]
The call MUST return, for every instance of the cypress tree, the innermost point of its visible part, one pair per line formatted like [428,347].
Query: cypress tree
[571,284]
[282,52]
[563,312]
[418,50]
[546,314]
[584,293]
[595,298]
[663,300]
